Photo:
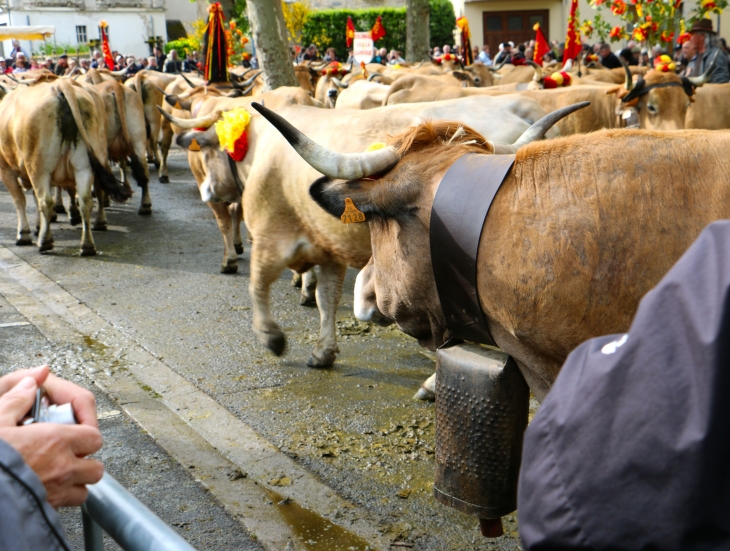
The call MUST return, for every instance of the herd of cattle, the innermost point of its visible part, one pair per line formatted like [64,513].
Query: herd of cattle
[582,227]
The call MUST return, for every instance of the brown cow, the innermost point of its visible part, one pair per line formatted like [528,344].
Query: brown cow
[71,152]
[580,230]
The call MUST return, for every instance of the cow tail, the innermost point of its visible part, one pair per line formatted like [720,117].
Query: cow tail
[138,172]
[140,91]
[103,174]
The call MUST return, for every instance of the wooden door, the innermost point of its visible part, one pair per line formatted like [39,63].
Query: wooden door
[514,26]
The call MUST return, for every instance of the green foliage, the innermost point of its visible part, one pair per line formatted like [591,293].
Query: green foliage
[50,50]
[183,46]
[326,28]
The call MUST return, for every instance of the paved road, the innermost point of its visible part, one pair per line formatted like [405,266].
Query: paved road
[353,427]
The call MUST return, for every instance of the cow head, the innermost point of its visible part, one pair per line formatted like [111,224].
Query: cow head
[480,73]
[658,100]
[394,187]
[328,88]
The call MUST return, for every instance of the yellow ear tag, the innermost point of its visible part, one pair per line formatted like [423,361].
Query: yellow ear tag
[351,214]
[194,146]
[177,105]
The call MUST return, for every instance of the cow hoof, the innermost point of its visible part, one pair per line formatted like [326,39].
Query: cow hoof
[238,247]
[164,179]
[88,251]
[296,280]
[425,395]
[75,220]
[99,226]
[145,209]
[276,341]
[45,247]
[54,218]
[325,361]
[310,301]
[24,241]
[60,209]
[229,268]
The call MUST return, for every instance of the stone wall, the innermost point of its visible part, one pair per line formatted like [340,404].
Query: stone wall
[355,4]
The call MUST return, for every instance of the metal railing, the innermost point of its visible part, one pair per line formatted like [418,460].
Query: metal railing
[111,508]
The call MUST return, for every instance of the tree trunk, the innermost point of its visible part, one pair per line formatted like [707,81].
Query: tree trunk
[418,40]
[269,36]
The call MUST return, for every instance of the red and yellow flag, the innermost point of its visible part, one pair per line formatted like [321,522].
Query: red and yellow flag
[215,49]
[467,54]
[108,59]
[350,31]
[573,45]
[541,44]
[378,31]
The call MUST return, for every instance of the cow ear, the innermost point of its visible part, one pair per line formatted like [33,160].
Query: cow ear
[209,138]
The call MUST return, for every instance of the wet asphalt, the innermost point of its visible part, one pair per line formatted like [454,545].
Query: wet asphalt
[354,425]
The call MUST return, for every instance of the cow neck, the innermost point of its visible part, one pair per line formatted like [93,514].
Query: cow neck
[459,211]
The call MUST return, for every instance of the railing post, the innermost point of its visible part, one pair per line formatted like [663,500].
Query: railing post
[93,534]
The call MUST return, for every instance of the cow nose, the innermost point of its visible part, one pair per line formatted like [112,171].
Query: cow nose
[331,92]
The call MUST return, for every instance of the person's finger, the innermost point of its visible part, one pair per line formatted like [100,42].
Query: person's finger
[68,497]
[11,379]
[83,439]
[87,471]
[17,401]
[83,402]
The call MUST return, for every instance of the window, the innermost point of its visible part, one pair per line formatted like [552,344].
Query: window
[494,23]
[81,37]
[514,23]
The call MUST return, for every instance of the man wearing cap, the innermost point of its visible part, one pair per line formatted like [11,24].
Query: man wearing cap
[62,65]
[704,39]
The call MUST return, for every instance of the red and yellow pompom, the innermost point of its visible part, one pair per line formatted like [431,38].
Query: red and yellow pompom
[335,68]
[665,64]
[557,80]
[232,135]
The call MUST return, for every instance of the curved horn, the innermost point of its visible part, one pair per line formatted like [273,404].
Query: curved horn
[339,83]
[704,77]
[248,90]
[538,76]
[190,124]
[498,67]
[345,166]
[248,82]
[629,82]
[243,75]
[568,65]
[187,80]
[119,73]
[537,131]
[372,76]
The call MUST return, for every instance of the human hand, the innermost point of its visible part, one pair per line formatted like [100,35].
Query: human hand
[55,452]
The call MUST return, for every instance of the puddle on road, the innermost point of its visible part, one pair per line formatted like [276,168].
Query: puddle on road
[316,532]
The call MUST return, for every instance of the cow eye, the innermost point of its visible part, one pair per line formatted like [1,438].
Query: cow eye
[653,109]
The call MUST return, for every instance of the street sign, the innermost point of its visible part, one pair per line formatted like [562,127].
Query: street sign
[363,48]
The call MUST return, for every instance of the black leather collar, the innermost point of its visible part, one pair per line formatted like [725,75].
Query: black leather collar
[234,171]
[459,210]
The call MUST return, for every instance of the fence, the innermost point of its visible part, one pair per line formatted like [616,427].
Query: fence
[111,508]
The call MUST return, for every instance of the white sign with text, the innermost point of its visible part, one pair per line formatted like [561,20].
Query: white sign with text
[362,47]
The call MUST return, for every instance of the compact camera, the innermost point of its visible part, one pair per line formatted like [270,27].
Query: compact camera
[45,412]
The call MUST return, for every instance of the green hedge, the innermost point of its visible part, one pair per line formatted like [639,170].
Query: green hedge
[326,28]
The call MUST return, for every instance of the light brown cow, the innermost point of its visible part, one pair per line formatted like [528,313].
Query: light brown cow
[55,134]
[580,230]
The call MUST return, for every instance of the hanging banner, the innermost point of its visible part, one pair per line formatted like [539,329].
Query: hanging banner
[363,47]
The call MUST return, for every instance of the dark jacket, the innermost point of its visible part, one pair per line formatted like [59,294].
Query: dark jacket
[611,61]
[27,520]
[173,66]
[631,447]
[719,58]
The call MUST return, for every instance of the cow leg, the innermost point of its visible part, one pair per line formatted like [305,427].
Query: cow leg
[101,199]
[58,207]
[84,184]
[165,144]
[223,218]
[73,209]
[123,173]
[44,196]
[266,266]
[10,180]
[329,290]
[236,212]
[142,178]
[309,286]
[296,280]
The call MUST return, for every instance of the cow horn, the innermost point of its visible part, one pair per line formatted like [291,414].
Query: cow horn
[498,67]
[537,130]
[372,76]
[345,166]
[339,83]
[568,65]
[629,83]
[704,77]
[247,83]
[243,75]
[187,80]
[119,73]
[189,124]
[538,76]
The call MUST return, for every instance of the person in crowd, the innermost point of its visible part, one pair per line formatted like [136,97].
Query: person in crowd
[160,57]
[17,50]
[97,60]
[484,55]
[519,57]
[475,53]
[4,66]
[132,66]
[709,52]
[21,63]
[43,466]
[395,58]
[446,49]
[143,62]
[628,56]
[310,54]
[73,68]
[48,64]
[152,64]
[608,58]
[330,55]
[190,65]
[504,54]
[62,65]
[529,52]
[85,65]
[436,52]
[173,64]
[381,56]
